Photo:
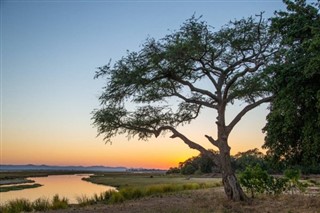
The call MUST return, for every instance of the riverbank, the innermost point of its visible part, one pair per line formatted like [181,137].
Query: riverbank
[146,192]
[19,180]
[18,187]
[15,181]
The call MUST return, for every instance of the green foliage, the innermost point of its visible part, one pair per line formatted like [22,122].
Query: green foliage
[292,130]
[200,164]
[188,170]
[257,180]
[254,179]
[198,69]
[184,66]
[251,158]
[293,176]
[173,170]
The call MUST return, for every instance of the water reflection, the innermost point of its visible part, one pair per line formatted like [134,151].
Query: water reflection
[69,186]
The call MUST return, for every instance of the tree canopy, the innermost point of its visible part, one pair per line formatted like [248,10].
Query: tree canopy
[293,124]
[170,81]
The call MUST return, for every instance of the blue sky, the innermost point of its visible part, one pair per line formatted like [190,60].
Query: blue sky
[50,51]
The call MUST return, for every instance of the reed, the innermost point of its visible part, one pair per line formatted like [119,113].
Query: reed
[17,205]
[84,200]
[41,204]
[58,203]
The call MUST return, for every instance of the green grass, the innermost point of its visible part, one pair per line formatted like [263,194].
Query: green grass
[17,205]
[132,193]
[135,186]
[18,187]
[130,186]
[58,203]
[40,204]
[120,180]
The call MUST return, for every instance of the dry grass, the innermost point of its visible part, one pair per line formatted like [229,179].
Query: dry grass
[208,200]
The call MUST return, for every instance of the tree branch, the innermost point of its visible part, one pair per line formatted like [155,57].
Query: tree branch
[245,110]
[193,88]
[194,101]
[238,75]
[212,141]
[191,144]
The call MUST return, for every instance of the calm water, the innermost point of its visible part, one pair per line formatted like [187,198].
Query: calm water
[69,186]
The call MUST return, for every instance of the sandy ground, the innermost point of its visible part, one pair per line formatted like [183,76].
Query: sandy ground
[206,200]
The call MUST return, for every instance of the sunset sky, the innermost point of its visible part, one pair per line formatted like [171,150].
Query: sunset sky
[50,51]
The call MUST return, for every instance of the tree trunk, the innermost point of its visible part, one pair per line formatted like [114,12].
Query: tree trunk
[231,185]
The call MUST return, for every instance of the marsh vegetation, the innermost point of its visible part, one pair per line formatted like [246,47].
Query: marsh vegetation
[148,192]
[130,187]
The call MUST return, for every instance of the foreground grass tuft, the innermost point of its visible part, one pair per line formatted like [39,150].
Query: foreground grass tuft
[17,205]
[58,203]
[40,204]
[84,200]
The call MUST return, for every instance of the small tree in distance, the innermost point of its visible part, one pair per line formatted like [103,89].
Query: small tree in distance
[198,68]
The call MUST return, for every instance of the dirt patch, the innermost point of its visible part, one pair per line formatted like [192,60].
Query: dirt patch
[207,200]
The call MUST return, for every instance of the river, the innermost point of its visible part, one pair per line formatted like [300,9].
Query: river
[69,186]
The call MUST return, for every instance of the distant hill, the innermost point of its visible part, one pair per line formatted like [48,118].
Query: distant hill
[31,167]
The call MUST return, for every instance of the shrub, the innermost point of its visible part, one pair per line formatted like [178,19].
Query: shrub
[293,176]
[276,186]
[188,170]
[173,170]
[256,180]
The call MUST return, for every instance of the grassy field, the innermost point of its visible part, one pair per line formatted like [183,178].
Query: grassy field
[131,186]
[122,180]
[148,192]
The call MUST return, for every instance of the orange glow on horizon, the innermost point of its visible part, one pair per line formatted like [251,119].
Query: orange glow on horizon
[23,145]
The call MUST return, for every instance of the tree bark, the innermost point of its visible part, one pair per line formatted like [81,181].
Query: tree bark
[231,185]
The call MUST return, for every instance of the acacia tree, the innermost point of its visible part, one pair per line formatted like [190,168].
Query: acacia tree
[198,69]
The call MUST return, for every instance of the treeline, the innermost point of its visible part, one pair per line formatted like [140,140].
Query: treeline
[202,164]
